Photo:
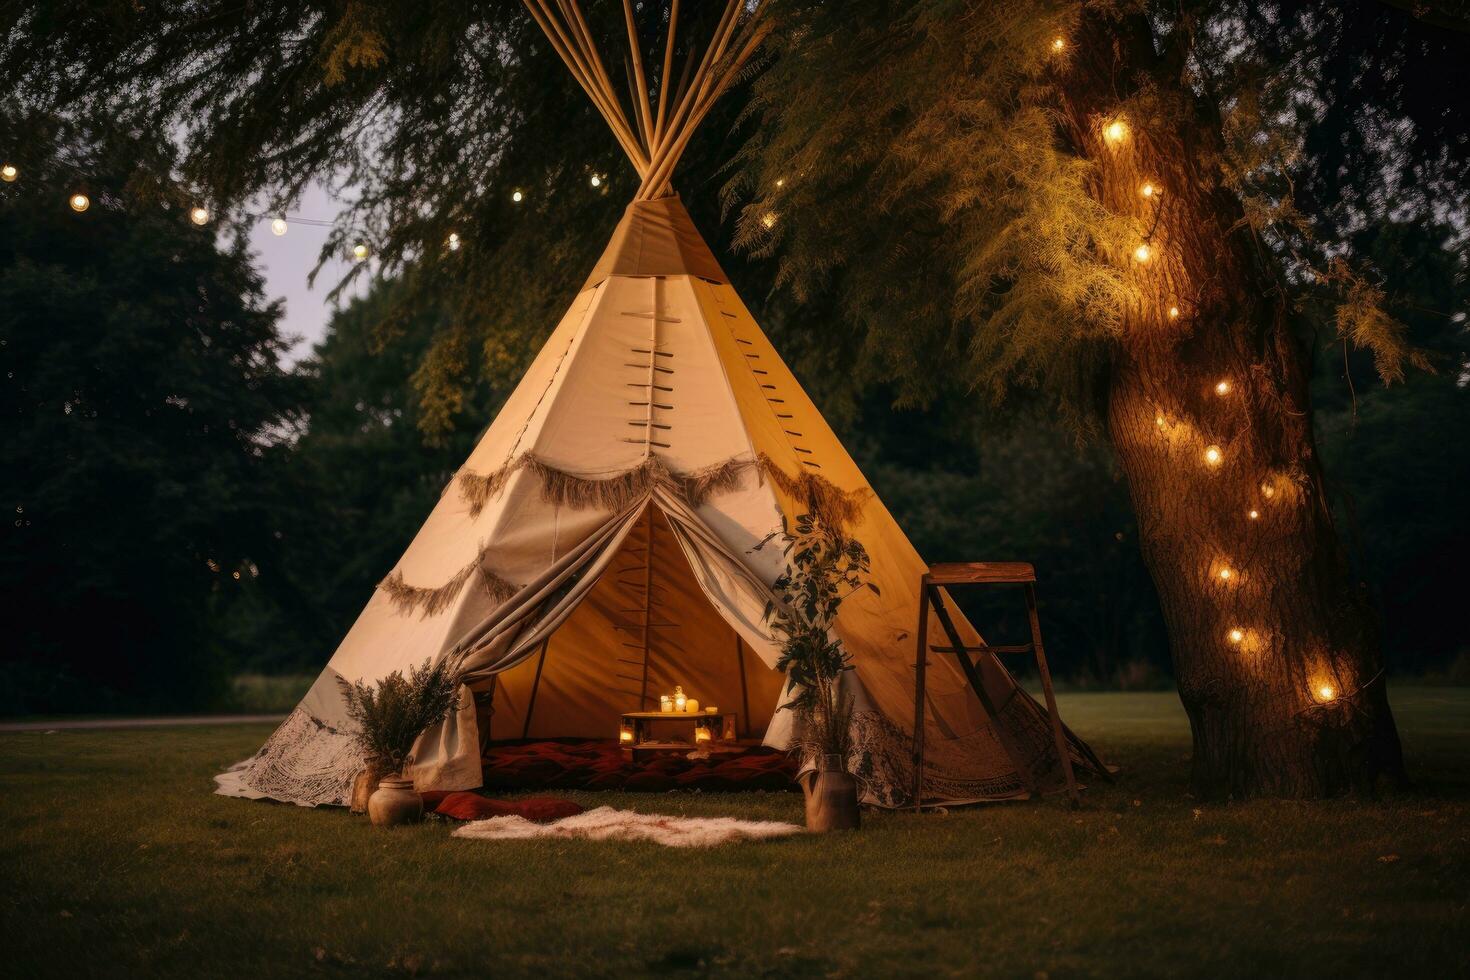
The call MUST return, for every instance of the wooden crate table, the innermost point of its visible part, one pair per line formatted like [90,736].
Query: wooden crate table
[643,724]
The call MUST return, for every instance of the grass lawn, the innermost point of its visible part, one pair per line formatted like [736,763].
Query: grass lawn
[116,859]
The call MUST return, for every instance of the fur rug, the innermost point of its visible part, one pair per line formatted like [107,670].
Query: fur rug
[605,823]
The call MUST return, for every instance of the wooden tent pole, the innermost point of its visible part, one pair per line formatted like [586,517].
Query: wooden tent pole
[596,58]
[744,693]
[663,80]
[666,156]
[685,103]
[535,686]
[640,103]
[647,607]
[597,90]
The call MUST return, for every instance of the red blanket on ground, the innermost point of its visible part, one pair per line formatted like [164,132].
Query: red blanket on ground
[595,764]
[473,806]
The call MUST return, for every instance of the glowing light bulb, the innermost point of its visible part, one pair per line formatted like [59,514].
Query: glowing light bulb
[453,241]
[1115,131]
[1160,421]
[1326,692]
[1214,456]
[1148,190]
[596,180]
[359,251]
[1236,635]
[1268,491]
[198,215]
[1143,253]
[1058,44]
[517,196]
[1222,388]
[79,202]
[8,173]
[1173,312]
[1225,574]
[1254,515]
[769,219]
[780,182]
[278,227]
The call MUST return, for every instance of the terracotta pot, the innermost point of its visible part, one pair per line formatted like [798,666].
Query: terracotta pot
[831,797]
[362,789]
[395,802]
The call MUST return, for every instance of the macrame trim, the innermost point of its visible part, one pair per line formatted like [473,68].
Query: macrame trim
[837,508]
[815,493]
[614,493]
[431,602]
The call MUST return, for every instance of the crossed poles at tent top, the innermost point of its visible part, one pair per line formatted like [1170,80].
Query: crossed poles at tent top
[656,135]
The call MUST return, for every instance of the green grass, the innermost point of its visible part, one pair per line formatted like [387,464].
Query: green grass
[116,859]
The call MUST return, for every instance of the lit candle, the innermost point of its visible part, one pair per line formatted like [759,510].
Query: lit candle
[701,734]
[625,734]
[665,703]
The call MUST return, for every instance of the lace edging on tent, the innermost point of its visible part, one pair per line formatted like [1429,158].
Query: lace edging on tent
[306,761]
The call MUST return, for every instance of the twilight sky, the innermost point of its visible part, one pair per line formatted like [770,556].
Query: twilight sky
[285,261]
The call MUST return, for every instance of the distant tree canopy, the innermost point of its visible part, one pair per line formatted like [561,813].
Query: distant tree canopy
[144,403]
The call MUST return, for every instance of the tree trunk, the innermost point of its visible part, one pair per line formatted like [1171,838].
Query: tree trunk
[1275,650]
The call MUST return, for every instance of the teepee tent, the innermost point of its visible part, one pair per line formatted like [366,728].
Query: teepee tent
[599,545]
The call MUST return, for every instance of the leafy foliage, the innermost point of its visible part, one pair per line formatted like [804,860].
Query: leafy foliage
[392,714]
[823,567]
[144,405]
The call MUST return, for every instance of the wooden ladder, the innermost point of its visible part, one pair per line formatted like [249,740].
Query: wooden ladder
[931,586]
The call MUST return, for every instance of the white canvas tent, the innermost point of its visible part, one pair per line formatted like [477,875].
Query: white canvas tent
[598,546]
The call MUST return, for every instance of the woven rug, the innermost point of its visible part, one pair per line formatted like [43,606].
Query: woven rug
[606,823]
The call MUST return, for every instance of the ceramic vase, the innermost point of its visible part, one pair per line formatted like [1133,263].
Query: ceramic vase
[831,797]
[395,802]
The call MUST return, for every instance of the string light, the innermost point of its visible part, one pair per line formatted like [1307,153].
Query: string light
[79,202]
[1222,388]
[1254,514]
[1115,131]
[198,215]
[278,227]
[1173,312]
[517,196]
[596,180]
[780,182]
[1236,635]
[453,242]
[1059,44]
[1142,253]
[1268,491]
[769,219]
[1214,456]
[1326,693]
[8,173]
[359,251]
[1149,190]
[1160,421]
[1225,574]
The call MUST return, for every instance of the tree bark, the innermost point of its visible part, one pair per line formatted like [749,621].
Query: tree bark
[1275,650]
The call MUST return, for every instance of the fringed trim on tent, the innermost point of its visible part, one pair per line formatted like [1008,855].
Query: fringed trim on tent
[821,497]
[432,601]
[817,494]
[614,493]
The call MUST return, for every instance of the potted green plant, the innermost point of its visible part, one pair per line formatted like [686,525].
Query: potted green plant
[390,716]
[823,568]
